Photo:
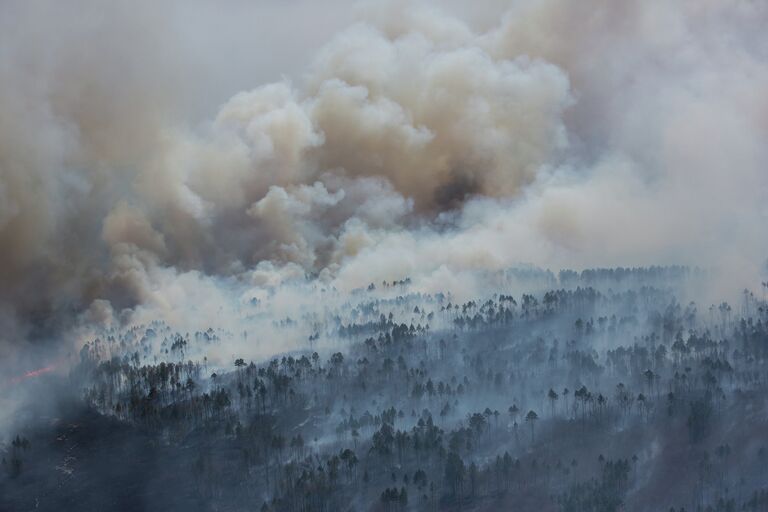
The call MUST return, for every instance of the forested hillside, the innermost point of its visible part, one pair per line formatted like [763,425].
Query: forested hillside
[601,390]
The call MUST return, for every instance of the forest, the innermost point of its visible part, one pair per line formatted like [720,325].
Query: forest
[593,391]
[383,256]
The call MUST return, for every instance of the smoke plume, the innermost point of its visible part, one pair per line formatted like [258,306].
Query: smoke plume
[413,142]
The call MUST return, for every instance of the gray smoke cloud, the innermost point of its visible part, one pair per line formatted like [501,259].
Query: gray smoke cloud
[414,141]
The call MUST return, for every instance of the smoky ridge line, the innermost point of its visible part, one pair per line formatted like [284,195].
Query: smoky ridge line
[506,138]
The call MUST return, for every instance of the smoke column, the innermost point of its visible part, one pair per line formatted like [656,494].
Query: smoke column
[393,139]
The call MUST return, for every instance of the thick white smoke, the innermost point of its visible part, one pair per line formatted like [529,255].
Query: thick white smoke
[416,143]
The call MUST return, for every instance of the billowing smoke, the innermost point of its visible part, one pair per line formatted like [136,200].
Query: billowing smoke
[415,142]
